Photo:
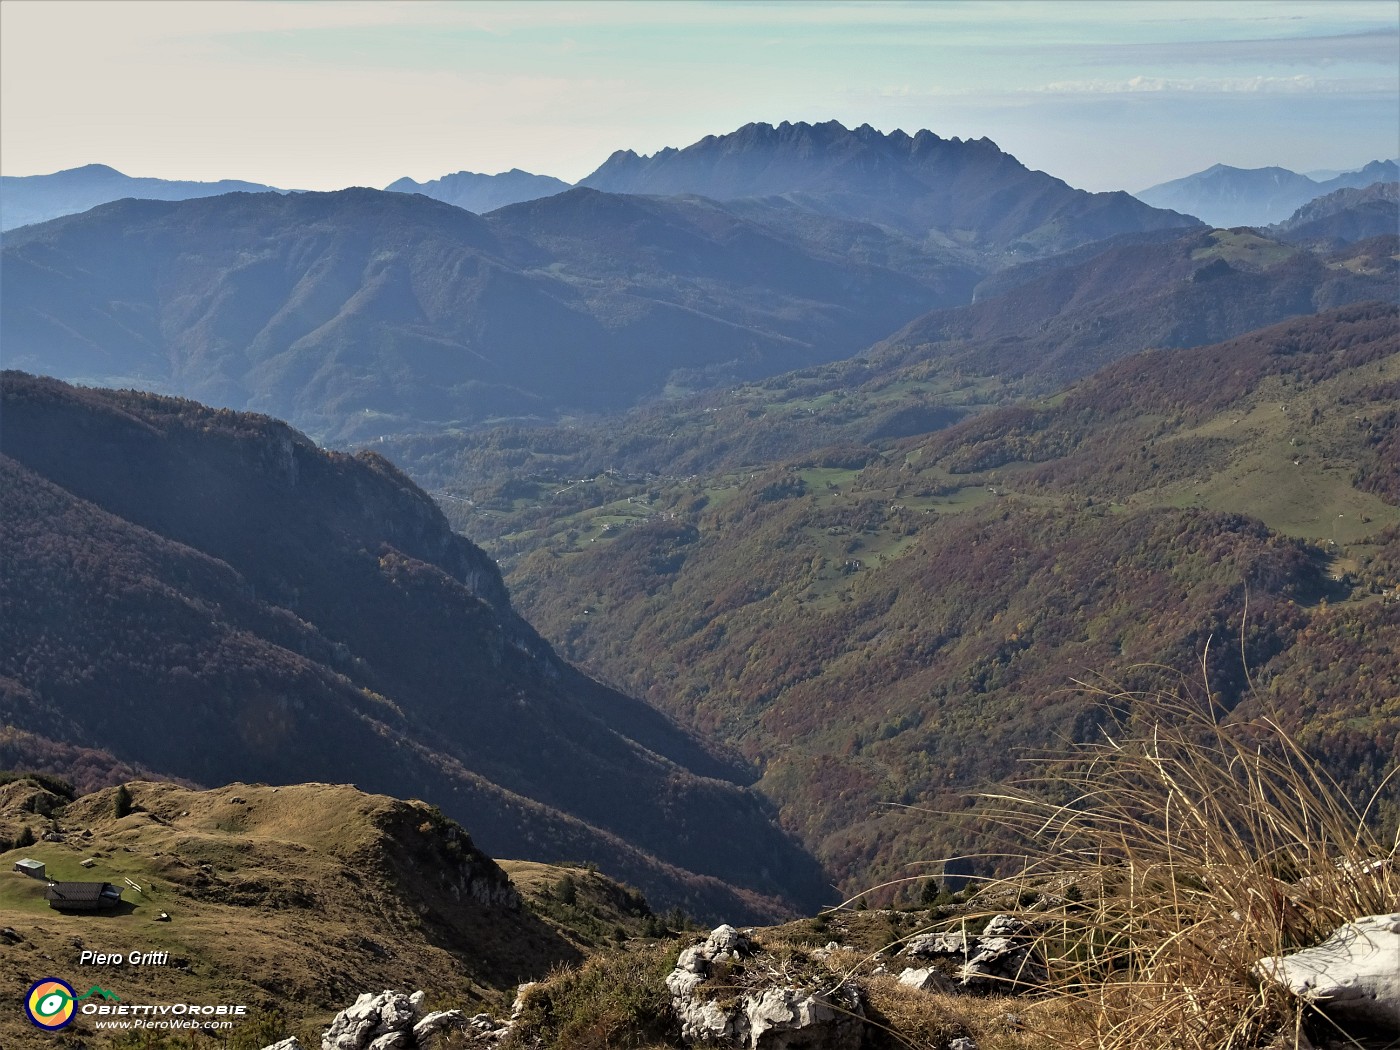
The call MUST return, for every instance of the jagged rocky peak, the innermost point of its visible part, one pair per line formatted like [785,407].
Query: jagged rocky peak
[800,134]
[970,192]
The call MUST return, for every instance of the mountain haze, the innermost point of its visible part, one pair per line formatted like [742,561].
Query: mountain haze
[1065,322]
[1346,215]
[26,199]
[1227,197]
[482,193]
[360,312]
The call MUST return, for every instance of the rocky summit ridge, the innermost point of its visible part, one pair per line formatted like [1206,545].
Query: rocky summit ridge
[962,192]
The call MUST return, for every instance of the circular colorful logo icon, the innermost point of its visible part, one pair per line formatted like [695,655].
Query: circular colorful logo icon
[50,1003]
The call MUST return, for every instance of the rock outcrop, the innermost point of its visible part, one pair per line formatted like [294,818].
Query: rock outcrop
[1353,976]
[1003,958]
[388,1020]
[927,979]
[752,1013]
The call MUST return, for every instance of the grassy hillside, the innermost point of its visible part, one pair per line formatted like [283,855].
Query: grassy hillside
[290,899]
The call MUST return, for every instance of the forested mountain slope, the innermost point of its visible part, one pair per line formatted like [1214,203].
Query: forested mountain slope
[207,595]
[888,629]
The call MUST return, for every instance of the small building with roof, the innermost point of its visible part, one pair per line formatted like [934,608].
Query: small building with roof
[33,868]
[82,896]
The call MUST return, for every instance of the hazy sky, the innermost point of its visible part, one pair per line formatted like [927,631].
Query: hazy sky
[323,94]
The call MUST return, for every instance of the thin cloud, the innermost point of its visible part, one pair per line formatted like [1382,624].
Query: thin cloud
[1301,84]
[1375,46]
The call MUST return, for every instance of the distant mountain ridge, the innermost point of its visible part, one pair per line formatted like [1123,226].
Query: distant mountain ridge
[27,199]
[1207,286]
[360,312]
[967,193]
[483,193]
[1346,215]
[1227,197]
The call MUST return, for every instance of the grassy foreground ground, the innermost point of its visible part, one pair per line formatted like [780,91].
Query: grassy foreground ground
[1161,863]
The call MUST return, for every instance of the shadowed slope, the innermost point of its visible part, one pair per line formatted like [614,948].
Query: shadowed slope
[209,595]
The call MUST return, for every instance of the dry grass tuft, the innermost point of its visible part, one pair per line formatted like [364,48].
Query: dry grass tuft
[904,1019]
[1169,861]
[615,1000]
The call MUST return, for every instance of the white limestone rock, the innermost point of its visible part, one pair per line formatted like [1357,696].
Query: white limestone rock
[1002,958]
[727,939]
[790,1019]
[438,1021]
[774,1018]
[373,1022]
[931,945]
[705,1023]
[1353,976]
[927,979]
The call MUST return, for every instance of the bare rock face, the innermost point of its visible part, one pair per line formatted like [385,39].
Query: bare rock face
[760,1016]
[1353,976]
[367,1020]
